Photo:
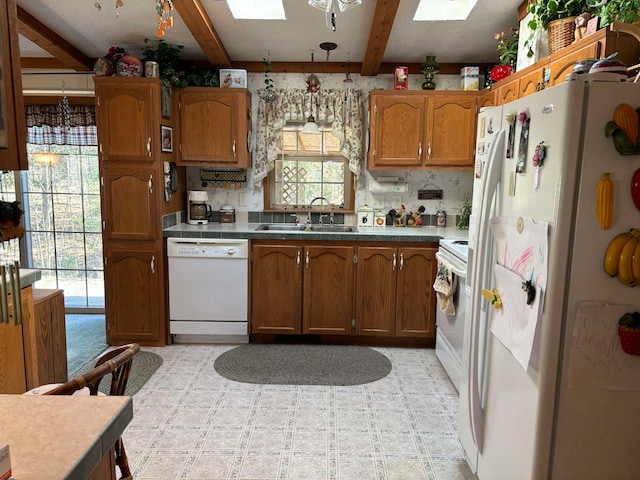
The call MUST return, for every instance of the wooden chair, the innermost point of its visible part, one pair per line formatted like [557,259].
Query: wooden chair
[116,362]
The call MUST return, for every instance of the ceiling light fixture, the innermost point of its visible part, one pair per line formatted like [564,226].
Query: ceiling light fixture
[329,7]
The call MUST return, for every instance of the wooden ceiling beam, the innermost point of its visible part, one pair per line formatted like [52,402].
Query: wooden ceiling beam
[197,21]
[36,31]
[383,17]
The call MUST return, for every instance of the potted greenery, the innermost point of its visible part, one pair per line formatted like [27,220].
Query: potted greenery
[508,46]
[609,11]
[167,57]
[557,16]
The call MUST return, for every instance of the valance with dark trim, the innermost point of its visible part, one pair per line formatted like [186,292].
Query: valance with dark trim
[46,125]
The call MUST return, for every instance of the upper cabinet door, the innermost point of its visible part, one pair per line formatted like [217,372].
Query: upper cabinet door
[13,130]
[126,111]
[452,121]
[213,127]
[397,131]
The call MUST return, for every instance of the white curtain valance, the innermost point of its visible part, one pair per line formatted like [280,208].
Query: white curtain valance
[343,109]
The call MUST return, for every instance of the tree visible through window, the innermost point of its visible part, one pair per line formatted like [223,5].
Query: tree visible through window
[63,222]
[309,166]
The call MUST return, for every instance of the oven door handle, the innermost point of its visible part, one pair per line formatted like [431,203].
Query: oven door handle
[457,271]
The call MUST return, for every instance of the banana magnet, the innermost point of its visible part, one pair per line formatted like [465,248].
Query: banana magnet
[493,296]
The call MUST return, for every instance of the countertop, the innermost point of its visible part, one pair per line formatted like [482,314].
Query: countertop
[382,234]
[59,437]
[29,276]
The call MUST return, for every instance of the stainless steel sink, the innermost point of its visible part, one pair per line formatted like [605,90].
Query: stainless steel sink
[290,227]
[286,227]
[332,228]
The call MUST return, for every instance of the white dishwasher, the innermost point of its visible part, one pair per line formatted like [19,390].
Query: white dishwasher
[208,290]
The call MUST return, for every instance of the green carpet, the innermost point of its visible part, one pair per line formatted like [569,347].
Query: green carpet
[86,341]
[286,364]
[143,367]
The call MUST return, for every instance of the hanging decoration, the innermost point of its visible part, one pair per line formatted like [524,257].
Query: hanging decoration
[164,9]
[98,6]
[63,111]
[312,81]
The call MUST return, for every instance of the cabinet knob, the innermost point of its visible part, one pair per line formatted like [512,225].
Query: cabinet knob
[149,146]
[429,151]
[401,261]
[393,263]
[298,259]
[150,183]
[153,264]
[307,259]
[420,150]
[233,147]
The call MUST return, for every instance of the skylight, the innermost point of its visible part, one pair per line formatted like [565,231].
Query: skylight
[430,10]
[257,10]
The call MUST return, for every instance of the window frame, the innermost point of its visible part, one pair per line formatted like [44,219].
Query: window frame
[348,184]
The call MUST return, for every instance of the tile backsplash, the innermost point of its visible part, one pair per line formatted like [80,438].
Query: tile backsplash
[456,185]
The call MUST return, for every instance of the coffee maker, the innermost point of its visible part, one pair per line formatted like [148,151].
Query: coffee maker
[198,210]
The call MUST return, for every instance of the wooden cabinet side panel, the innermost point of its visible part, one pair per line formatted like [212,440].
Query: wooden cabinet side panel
[376,291]
[416,307]
[133,295]
[13,377]
[56,305]
[41,337]
[328,290]
[397,131]
[452,131]
[276,290]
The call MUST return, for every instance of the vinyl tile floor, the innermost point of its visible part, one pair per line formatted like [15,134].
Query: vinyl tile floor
[191,423]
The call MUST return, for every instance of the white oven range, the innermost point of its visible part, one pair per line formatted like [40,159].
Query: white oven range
[450,328]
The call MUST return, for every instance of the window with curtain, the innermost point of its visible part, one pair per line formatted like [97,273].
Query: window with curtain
[341,111]
[61,200]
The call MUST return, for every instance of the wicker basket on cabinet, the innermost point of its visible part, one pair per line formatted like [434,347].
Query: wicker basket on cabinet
[561,33]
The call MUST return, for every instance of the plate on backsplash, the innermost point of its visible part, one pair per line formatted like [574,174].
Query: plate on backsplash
[129,66]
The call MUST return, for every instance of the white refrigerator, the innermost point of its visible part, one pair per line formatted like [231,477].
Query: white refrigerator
[546,391]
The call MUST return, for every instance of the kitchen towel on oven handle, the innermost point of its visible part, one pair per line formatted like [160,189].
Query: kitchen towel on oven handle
[445,286]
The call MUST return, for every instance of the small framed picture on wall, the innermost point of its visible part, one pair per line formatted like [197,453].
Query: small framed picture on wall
[165,102]
[166,136]
[592,25]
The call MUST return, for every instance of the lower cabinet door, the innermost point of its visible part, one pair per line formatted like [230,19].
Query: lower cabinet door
[376,297]
[134,296]
[276,293]
[328,290]
[416,301]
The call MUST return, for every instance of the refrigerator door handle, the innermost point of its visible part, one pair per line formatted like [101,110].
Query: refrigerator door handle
[490,180]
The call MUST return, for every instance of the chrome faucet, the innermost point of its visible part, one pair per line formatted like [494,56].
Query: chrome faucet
[321,215]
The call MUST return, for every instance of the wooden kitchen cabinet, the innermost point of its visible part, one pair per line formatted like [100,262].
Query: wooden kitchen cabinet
[553,69]
[128,115]
[394,291]
[276,293]
[214,127]
[134,294]
[530,83]
[413,129]
[50,336]
[302,289]
[328,290]
[508,91]
[35,352]
[13,128]
[128,125]
[487,98]
[129,202]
